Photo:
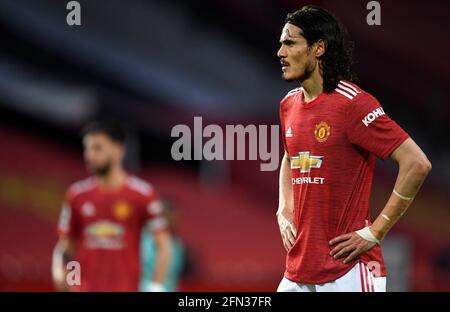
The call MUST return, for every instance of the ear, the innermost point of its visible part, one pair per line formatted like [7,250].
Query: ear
[320,48]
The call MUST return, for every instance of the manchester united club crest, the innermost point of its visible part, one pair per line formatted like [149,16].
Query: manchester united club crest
[322,131]
[121,210]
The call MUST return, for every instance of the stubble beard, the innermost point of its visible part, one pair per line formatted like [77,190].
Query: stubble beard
[101,171]
[306,74]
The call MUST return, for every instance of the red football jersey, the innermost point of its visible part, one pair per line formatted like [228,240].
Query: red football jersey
[332,142]
[107,227]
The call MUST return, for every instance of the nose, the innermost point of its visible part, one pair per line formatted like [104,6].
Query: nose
[281,52]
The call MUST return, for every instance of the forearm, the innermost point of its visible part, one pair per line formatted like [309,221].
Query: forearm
[60,258]
[57,266]
[286,198]
[63,253]
[409,180]
[162,264]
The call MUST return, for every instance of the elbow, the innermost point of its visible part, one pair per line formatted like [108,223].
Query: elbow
[423,167]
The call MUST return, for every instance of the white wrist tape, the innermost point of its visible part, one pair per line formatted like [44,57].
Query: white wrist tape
[386,217]
[367,235]
[401,196]
[154,287]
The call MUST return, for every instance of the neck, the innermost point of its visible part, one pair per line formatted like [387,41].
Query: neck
[113,179]
[313,86]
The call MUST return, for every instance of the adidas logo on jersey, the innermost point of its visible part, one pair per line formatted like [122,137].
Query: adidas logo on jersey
[372,116]
[289,132]
[88,209]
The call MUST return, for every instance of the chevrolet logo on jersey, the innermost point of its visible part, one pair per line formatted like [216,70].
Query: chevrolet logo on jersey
[305,162]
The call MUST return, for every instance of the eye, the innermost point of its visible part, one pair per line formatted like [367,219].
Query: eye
[288,43]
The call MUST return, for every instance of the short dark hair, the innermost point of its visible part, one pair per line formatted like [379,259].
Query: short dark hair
[337,61]
[111,128]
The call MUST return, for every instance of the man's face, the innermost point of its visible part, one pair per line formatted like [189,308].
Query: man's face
[101,153]
[298,63]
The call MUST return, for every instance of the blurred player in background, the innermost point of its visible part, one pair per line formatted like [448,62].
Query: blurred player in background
[102,220]
[149,253]
[332,131]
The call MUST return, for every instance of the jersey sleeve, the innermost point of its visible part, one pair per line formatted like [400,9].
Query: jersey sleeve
[369,127]
[283,135]
[68,224]
[154,217]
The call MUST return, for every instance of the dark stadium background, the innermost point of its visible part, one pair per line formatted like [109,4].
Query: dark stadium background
[156,64]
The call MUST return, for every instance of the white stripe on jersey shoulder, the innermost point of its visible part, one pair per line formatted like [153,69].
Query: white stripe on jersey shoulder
[82,186]
[292,92]
[139,185]
[348,90]
[351,86]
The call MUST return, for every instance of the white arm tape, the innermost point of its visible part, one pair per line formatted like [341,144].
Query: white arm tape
[154,287]
[367,235]
[401,196]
